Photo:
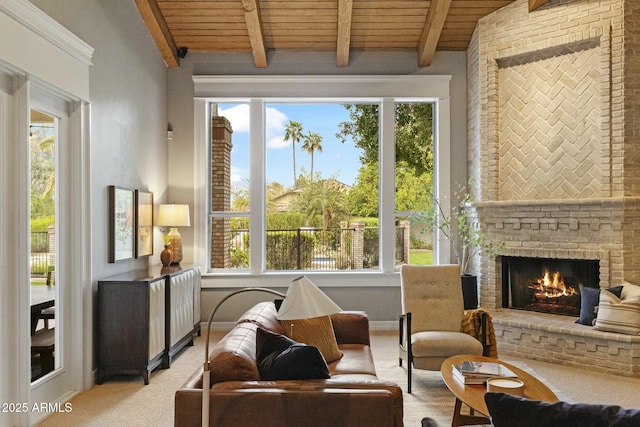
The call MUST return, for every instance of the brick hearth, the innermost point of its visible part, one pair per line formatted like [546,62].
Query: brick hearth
[558,339]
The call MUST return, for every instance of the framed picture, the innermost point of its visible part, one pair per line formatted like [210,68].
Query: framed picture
[144,223]
[121,224]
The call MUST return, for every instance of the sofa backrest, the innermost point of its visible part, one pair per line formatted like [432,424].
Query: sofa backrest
[263,314]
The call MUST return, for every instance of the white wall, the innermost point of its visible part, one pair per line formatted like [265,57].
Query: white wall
[128,94]
[382,302]
[128,86]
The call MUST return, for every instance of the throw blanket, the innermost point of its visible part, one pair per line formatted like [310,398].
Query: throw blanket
[472,325]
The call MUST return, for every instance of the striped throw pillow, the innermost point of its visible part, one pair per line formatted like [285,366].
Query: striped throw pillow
[618,315]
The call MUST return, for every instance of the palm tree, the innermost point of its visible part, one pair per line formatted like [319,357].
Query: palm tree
[293,133]
[312,143]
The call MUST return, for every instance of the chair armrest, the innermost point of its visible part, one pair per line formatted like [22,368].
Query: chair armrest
[404,329]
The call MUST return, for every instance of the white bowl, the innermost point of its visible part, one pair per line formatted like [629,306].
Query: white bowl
[506,385]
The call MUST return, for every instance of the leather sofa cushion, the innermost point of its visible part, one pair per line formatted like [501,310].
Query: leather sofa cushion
[356,359]
[263,314]
[234,356]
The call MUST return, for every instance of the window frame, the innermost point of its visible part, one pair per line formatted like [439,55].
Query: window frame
[258,91]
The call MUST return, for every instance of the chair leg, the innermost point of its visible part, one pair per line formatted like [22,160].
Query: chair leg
[409,376]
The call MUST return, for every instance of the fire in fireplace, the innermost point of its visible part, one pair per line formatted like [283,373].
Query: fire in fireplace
[547,285]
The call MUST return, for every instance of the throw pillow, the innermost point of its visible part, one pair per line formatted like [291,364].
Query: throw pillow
[316,331]
[509,411]
[589,299]
[616,315]
[630,291]
[281,358]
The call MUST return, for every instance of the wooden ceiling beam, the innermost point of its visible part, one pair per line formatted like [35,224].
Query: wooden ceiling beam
[345,8]
[159,30]
[256,36]
[433,25]
[534,4]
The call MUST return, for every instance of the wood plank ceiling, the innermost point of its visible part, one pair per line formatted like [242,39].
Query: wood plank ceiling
[259,26]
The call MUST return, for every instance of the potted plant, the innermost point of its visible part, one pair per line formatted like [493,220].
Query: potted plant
[465,238]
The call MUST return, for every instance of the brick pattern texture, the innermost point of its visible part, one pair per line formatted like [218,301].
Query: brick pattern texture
[554,148]
[553,135]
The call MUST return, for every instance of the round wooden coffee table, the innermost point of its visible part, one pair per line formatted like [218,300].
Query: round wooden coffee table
[473,395]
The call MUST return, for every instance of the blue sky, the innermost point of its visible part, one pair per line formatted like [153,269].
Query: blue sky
[336,159]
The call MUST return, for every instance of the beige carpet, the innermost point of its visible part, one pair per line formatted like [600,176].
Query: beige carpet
[126,401]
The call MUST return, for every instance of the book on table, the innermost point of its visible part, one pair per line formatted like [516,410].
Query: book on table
[470,372]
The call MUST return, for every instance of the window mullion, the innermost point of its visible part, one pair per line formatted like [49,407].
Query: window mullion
[387,185]
[257,187]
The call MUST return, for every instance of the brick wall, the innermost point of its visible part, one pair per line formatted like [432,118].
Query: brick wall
[554,135]
[221,145]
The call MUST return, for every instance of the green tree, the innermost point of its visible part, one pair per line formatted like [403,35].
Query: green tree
[364,194]
[412,189]
[240,197]
[293,133]
[322,198]
[274,189]
[42,174]
[414,155]
[414,133]
[312,143]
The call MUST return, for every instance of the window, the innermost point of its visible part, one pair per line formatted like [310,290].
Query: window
[316,184]
[413,181]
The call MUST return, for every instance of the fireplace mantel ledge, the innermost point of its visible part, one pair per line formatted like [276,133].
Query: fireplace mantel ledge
[610,201]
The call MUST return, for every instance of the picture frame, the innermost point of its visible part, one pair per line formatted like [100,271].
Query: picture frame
[121,224]
[144,223]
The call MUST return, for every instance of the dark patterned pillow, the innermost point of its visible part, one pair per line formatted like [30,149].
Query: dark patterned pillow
[512,411]
[589,300]
[281,358]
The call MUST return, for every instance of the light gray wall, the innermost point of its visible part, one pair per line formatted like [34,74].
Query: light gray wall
[128,89]
[381,303]
[128,94]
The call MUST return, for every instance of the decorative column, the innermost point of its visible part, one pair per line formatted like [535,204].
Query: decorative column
[357,248]
[220,191]
[51,232]
[406,240]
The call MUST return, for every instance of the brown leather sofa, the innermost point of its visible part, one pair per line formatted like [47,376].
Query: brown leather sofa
[353,396]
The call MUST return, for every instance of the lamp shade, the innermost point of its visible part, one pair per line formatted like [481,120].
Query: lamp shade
[305,300]
[173,216]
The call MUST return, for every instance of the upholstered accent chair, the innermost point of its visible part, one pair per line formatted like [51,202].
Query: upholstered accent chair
[432,312]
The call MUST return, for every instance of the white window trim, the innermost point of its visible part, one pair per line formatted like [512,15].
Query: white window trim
[260,89]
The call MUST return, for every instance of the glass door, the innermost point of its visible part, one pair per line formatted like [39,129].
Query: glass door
[43,141]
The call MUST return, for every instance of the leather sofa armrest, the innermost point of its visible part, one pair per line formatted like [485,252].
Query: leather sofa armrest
[351,327]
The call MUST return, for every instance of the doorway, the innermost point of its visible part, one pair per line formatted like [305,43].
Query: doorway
[43,136]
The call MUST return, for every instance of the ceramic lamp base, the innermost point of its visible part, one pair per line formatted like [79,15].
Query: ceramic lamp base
[176,245]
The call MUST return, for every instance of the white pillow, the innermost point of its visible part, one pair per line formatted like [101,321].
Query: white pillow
[630,291]
[618,315]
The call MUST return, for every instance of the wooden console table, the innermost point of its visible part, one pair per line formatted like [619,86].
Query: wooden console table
[145,317]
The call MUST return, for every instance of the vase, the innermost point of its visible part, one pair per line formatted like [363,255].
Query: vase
[166,257]
[470,291]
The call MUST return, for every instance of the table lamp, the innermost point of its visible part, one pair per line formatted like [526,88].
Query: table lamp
[174,216]
[303,300]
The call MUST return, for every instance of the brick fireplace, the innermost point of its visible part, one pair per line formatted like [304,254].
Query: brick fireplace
[554,136]
[554,144]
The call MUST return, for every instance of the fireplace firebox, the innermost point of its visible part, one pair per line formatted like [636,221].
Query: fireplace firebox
[547,285]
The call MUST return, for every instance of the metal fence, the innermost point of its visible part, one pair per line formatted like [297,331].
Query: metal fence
[317,249]
[39,253]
